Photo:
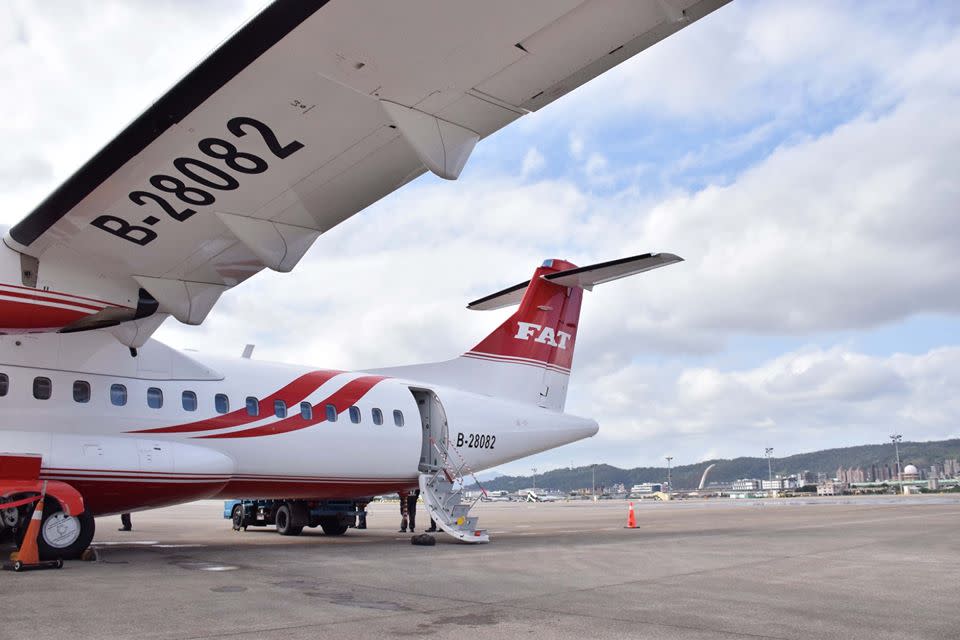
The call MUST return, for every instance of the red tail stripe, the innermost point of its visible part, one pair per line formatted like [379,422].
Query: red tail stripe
[291,394]
[346,397]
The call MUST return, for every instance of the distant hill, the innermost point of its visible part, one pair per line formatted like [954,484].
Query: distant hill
[921,454]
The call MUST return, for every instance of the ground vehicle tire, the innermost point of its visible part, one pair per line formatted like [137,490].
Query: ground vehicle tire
[283,519]
[237,518]
[333,526]
[63,536]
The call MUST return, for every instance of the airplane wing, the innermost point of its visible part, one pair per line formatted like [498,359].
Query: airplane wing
[308,114]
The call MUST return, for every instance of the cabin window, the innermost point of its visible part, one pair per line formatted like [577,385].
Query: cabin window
[118,395]
[4,384]
[306,411]
[355,415]
[253,406]
[81,391]
[280,408]
[377,416]
[189,401]
[331,413]
[42,388]
[222,403]
[398,417]
[154,398]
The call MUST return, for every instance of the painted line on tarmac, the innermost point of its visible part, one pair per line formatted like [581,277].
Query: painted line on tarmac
[178,546]
[145,543]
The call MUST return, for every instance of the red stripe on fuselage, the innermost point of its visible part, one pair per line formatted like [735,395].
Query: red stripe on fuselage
[27,315]
[290,394]
[43,300]
[51,294]
[346,397]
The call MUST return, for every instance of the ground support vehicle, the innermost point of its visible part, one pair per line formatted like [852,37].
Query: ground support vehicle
[291,516]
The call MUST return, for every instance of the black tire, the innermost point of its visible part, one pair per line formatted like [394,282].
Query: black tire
[237,519]
[283,518]
[333,526]
[74,543]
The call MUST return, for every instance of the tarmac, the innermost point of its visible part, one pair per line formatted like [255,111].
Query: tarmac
[877,568]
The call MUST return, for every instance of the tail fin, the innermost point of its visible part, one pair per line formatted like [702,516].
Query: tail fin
[543,331]
[528,358]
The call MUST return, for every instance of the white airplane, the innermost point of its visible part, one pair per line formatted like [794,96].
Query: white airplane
[309,113]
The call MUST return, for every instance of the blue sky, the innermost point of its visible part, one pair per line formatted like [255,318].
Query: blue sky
[800,156]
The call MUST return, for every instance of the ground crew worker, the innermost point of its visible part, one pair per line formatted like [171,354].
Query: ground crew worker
[403,511]
[412,508]
[362,515]
[126,522]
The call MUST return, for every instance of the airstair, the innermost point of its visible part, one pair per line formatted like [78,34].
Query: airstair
[442,489]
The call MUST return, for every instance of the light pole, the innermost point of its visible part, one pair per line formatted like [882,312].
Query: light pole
[769,452]
[593,483]
[534,469]
[669,458]
[897,438]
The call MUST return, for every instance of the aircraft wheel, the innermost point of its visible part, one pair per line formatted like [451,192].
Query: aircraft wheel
[283,519]
[63,536]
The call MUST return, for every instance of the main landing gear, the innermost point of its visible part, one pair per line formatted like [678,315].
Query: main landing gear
[61,536]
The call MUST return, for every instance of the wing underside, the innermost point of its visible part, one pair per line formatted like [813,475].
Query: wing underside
[308,114]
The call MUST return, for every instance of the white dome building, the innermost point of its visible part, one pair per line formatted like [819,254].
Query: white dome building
[910,472]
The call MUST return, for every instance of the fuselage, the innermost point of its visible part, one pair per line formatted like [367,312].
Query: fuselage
[166,427]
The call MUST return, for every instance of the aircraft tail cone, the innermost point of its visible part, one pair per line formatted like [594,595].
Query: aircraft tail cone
[631,518]
[28,556]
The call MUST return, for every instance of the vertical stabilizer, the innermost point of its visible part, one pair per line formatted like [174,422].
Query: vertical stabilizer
[532,352]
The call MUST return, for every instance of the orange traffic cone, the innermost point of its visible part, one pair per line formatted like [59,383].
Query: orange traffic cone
[28,556]
[631,518]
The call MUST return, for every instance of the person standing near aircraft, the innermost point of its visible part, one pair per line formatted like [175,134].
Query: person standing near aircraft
[412,508]
[403,510]
[362,514]
[127,524]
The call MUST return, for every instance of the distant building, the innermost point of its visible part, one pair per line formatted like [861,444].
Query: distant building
[646,488]
[910,473]
[746,484]
[780,484]
[951,468]
[832,488]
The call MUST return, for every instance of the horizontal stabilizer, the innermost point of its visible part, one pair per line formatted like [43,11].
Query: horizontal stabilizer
[594,274]
[582,277]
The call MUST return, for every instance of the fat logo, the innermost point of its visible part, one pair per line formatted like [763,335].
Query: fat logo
[541,334]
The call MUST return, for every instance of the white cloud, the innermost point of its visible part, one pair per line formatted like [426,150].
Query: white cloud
[797,402]
[575,144]
[533,163]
